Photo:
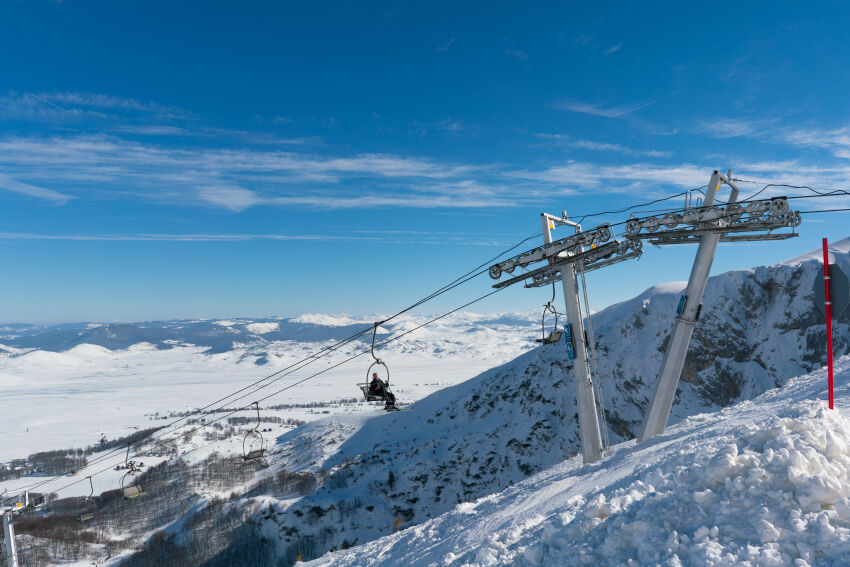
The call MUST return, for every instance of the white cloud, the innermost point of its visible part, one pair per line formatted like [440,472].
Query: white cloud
[599,110]
[565,140]
[613,49]
[71,106]
[233,198]
[9,184]
[604,147]
[835,140]
[735,127]
[616,178]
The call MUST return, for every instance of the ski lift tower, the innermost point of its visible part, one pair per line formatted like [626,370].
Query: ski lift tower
[579,253]
[707,225]
[9,538]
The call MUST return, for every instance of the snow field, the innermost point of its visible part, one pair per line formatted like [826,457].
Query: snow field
[71,399]
[762,483]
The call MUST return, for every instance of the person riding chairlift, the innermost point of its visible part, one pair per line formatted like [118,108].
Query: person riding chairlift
[378,389]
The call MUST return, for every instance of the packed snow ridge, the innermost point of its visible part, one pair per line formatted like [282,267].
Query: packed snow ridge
[765,482]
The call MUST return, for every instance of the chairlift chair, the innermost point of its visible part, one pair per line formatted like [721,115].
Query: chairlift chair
[88,516]
[555,335]
[130,482]
[253,444]
[386,394]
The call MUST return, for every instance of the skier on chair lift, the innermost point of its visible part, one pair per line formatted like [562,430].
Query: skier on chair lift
[379,390]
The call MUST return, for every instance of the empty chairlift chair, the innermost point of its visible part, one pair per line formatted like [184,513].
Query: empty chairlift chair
[253,444]
[555,335]
[89,514]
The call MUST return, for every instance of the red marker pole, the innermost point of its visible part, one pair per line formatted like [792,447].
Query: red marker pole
[828,319]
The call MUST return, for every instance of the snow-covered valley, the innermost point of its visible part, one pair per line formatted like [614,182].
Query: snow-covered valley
[480,469]
[71,398]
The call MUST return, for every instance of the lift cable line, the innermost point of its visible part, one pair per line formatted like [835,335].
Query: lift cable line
[173,427]
[301,381]
[469,275]
[824,211]
[707,223]
[819,193]
[458,281]
[639,205]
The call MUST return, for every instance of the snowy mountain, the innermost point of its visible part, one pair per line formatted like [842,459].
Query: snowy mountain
[216,335]
[378,475]
[350,479]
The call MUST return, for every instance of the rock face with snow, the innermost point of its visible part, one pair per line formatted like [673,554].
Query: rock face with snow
[381,475]
[758,327]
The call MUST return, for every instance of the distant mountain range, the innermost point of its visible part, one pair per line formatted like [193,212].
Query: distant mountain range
[223,335]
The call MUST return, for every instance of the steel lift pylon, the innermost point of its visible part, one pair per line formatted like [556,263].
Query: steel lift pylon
[708,225]
[579,253]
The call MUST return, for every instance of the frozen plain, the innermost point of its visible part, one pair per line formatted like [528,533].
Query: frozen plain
[70,399]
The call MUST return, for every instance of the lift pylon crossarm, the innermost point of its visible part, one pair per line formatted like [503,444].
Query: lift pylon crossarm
[571,244]
[599,257]
[761,215]
[694,238]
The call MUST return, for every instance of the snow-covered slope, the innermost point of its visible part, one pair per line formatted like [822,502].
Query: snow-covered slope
[378,475]
[763,482]
[758,329]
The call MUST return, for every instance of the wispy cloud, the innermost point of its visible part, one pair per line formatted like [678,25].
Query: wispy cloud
[599,110]
[565,140]
[518,53]
[239,178]
[445,46]
[153,130]
[70,106]
[9,184]
[449,125]
[233,198]
[736,127]
[389,237]
[92,100]
[603,147]
[236,179]
[617,178]
[836,140]
[613,49]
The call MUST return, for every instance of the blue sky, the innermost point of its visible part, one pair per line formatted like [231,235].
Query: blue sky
[208,159]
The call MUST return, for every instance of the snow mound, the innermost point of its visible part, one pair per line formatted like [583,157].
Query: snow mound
[765,482]
[262,328]
[88,351]
[330,320]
